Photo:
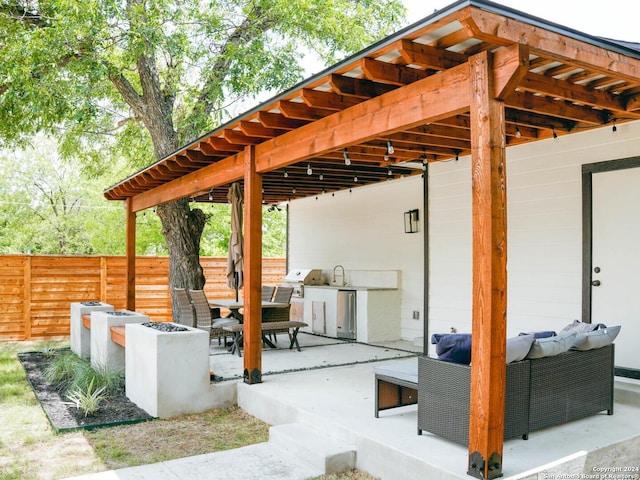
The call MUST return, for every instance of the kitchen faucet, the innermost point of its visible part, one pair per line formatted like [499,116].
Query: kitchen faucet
[342,274]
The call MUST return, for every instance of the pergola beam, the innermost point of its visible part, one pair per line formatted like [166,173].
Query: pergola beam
[430,99]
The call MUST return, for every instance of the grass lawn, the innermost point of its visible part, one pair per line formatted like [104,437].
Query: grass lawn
[30,450]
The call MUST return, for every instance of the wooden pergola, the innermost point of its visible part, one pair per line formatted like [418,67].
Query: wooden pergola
[473,78]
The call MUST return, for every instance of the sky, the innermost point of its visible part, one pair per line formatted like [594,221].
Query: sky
[615,19]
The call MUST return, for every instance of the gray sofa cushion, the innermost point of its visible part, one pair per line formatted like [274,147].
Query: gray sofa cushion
[546,347]
[580,327]
[596,338]
[518,347]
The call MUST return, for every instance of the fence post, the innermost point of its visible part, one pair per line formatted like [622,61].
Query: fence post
[27,298]
[103,279]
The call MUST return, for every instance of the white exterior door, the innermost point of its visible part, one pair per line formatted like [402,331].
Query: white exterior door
[616,259]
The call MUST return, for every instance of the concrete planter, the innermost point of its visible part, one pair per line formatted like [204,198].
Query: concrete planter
[167,373]
[81,336]
[104,352]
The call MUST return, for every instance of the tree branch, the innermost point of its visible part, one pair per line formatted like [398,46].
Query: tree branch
[258,22]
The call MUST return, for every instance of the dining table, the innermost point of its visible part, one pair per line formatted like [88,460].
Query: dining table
[234,306]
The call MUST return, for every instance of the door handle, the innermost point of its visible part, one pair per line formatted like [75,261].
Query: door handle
[595,283]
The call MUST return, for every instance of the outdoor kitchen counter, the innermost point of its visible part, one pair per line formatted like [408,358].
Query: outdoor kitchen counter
[377,311]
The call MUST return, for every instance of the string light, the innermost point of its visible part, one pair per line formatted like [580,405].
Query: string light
[614,129]
[555,135]
[347,160]
[355,178]
[518,134]
[390,149]
[309,170]
[286,174]
[321,177]
[211,194]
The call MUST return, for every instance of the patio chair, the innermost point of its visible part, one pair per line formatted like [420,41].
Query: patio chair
[267,292]
[185,308]
[207,318]
[283,294]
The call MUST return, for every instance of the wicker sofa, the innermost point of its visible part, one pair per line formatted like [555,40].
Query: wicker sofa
[540,393]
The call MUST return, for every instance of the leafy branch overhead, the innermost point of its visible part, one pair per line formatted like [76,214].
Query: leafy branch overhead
[152,75]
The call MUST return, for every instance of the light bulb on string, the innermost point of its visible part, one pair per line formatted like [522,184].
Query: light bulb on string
[390,149]
[347,160]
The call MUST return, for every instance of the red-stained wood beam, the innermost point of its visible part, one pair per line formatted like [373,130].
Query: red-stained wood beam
[492,27]
[489,212]
[252,269]
[511,66]
[433,98]
[220,173]
[430,99]
[130,248]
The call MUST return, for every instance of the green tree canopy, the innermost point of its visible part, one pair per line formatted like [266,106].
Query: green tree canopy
[140,78]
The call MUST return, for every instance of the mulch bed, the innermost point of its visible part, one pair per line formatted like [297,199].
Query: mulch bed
[63,416]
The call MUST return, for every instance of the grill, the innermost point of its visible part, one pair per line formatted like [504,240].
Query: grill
[301,277]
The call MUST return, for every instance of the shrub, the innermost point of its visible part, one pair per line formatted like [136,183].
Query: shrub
[88,401]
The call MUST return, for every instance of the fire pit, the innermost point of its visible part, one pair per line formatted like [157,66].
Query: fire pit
[167,369]
[165,327]
[105,353]
[81,336]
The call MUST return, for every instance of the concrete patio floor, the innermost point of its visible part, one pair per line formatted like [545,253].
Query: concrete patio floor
[329,388]
[340,402]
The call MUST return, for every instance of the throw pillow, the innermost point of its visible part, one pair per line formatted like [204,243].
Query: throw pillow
[580,327]
[546,347]
[518,347]
[542,334]
[453,347]
[596,338]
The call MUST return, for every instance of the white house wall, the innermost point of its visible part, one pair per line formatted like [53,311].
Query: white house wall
[363,230]
[544,215]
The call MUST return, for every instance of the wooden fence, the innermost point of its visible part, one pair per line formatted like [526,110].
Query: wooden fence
[36,291]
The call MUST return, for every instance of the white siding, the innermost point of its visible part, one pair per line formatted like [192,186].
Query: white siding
[364,230]
[544,215]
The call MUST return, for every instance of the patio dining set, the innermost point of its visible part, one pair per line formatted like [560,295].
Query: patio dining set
[195,310]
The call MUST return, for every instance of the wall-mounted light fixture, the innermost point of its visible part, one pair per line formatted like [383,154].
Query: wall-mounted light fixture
[411,221]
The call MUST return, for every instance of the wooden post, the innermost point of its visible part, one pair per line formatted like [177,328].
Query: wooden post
[131,255]
[489,197]
[252,269]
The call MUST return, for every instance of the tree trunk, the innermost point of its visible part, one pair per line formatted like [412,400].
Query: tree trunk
[182,229]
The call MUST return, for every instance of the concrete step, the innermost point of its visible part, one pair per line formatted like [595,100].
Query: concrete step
[262,461]
[311,445]
[627,391]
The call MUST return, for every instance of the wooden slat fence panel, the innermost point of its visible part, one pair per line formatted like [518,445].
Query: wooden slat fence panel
[36,291]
